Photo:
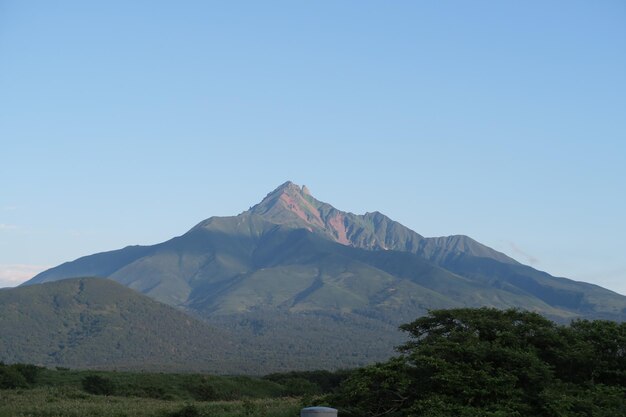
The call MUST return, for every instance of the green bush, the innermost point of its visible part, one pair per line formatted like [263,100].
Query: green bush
[202,390]
[309,382]
[186,411]
[98,385]
[299,386]
[11,378]
[30,372]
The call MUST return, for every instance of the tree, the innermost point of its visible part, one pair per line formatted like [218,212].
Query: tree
[11,378]
[488,362]
[596,353]
[30,372]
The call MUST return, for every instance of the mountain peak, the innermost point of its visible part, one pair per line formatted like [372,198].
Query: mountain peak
[290,204]
[288,188]
[294,206]
[287,185]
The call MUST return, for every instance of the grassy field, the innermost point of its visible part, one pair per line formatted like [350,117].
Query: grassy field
[71,402]
[29,391]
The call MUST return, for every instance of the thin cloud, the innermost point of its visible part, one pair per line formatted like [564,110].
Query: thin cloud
[4,226]
[15,274]
[528,258]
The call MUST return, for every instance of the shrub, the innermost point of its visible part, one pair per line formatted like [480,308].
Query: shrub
[186,411]
[203,390]
[11,378]
[30,372]
[98,385]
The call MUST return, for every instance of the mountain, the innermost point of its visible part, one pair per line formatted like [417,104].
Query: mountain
[97,323]
[312,285]
[295,207]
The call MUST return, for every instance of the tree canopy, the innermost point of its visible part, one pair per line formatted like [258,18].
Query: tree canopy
[492,363]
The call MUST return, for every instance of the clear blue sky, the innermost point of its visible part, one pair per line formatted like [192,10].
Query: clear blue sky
[127,122]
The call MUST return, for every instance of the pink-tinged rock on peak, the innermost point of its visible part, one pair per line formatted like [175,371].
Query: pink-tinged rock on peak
[290,204]
[294,206]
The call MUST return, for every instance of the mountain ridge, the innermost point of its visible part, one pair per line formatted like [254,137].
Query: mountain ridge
[372,230]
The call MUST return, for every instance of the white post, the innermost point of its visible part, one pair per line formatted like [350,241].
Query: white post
[318,412]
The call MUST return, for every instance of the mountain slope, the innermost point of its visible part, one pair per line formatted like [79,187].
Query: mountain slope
[90,322]
[260,265]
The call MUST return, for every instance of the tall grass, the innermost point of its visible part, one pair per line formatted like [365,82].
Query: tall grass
[67,401]
[88,393]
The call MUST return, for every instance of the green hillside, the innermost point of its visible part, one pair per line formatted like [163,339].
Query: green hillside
[97,323]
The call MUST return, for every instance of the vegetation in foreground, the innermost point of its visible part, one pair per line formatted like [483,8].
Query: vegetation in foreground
[493,363]
[462,362]
[28,390]
[64,402]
